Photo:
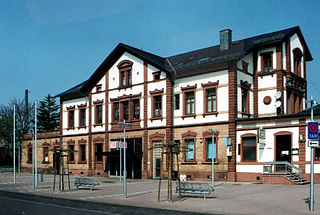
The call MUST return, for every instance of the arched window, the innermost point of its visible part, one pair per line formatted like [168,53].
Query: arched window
[125,73]
[297,55]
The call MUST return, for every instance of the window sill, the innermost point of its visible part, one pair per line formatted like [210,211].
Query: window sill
[246,114]
[71,128]
[189,163]
[125,87]
[156,118]
[210,113]
[82,162]
[189,115]
[209,162]
[99,124]
[81,127]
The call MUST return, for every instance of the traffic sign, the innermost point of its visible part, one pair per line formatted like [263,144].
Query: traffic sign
[313,130]
[313,143]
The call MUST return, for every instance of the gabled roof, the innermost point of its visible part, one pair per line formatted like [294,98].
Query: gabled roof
[186,64]
[213,55]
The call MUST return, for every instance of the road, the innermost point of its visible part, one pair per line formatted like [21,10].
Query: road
[12,203]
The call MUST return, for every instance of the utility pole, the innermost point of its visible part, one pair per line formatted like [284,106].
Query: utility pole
[124,158]
[33,179]
[212,159]
[120,160]
[14,143]
[35,142]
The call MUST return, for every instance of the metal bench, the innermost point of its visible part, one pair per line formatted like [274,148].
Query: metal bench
[195,187]
[85,182]
[6,170]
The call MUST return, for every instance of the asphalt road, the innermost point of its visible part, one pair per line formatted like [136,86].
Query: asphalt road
[27,204]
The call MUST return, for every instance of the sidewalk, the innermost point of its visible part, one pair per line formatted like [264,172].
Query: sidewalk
[228,198]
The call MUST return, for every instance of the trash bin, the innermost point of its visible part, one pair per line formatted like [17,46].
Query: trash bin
[174,175]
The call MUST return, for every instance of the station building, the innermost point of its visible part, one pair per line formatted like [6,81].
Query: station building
[248,94]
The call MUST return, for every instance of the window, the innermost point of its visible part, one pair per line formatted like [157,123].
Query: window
[116,112]
[125,106]
[82,152]
[71,118]
[317,154]
[249,148]
[156,76]
[189,103]
[71,153]
[176,101]
[190,149]
[297,54]
[98,88]
[98,114]
[82,117]
[136,109]
[98,152]
[245,101]
[289,103]
[211,98]
[266,63]
[157,106]
[209,149]
[125,73]
[30,154]
[125,78]
[45,154]
[245,66]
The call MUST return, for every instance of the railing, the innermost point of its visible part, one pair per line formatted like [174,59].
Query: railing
[280,167]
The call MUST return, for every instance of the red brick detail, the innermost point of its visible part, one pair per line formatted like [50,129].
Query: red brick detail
[90,136]
[280,88]
[233,107]
[249,177]
[302,144]
[288,56]
[145,95]
[276,179]
[107,101]
[255,85]
[61,118]
[145,154]
[169,110]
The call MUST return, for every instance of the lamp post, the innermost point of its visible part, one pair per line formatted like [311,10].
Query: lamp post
[14,143]
[124,158]
[212,159]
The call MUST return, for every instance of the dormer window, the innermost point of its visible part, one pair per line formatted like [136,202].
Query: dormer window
[125,73]
[98,88]
[266,62]
[156,76]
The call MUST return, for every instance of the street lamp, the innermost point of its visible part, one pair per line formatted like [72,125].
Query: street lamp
[124,158]
[212,159]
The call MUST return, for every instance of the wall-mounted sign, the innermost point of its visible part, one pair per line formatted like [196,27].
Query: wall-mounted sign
[295,151]
[262,136]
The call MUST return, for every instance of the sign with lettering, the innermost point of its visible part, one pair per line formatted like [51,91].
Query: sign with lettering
[313,130]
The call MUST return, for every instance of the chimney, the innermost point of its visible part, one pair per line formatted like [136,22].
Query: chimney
[225,39]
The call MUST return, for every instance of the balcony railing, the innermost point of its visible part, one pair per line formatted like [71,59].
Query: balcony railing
[280,167]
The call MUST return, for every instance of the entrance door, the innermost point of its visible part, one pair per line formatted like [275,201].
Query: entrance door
[283,148]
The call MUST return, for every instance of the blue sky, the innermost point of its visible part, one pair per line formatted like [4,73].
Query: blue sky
[48,46]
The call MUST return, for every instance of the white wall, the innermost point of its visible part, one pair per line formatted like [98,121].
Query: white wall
[74,102]
[222,98]
[295,43]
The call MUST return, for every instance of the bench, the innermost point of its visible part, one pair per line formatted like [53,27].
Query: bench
[6,170]
[195,187]
[85,182]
